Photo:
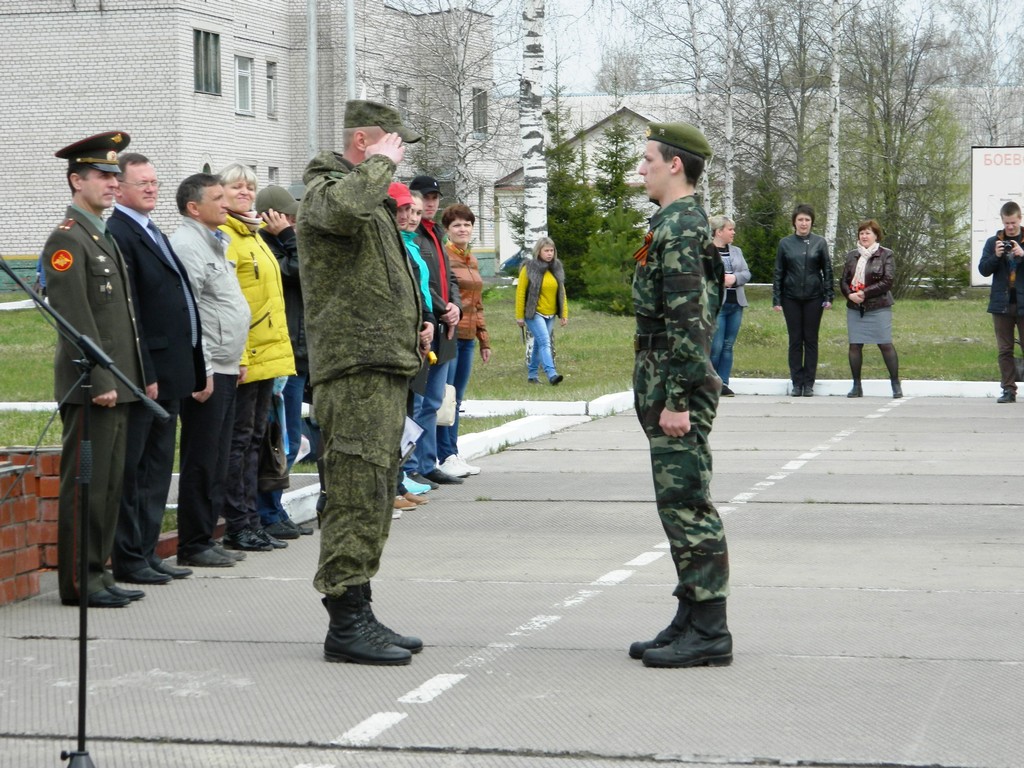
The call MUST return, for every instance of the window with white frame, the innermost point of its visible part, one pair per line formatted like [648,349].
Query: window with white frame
[206,61]
[479,112]
[243,85]
[271,89]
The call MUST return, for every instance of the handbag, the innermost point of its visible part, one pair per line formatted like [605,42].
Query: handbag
[446,412]
[273,468]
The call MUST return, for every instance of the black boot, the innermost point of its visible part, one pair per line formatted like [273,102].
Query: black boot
[798,390]
[351,637]
[897,389]
[857,390]
[411,644]
[679,623]
[706,642]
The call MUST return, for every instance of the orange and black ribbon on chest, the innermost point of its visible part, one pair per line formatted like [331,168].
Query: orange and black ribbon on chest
[641,255]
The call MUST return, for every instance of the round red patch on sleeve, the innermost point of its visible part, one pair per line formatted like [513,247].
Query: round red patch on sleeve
[61,261]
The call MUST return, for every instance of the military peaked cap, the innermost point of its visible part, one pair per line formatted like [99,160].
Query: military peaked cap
[99,151]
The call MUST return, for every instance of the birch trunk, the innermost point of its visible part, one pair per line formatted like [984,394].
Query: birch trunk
[832,215]
[531,124]
[698,95]
[729,156]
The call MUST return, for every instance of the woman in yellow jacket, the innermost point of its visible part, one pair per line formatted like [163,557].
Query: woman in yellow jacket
[540,297]
[267,355]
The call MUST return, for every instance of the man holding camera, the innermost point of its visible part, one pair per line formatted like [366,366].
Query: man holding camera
[1002,259]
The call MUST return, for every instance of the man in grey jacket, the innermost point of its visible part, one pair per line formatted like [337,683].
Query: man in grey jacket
[207,416]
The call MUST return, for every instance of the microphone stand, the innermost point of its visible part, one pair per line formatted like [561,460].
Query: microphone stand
[91,356]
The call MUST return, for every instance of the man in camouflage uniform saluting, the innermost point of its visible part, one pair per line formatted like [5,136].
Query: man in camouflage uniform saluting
[676,295]
[362,321]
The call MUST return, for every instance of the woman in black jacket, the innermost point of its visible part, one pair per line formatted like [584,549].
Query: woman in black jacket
[802,289]
[866,283]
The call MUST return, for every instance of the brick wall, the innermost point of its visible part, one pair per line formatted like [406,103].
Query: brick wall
[28,520]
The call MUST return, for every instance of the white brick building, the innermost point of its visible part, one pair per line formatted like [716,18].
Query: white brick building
[202,83]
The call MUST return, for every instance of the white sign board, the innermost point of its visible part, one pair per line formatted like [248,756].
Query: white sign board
[997,176]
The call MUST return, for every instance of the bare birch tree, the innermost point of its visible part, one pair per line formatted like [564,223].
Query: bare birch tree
[531,123]
[834,93]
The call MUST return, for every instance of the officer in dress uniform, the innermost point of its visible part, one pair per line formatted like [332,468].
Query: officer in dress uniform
[87,284]
[677,290]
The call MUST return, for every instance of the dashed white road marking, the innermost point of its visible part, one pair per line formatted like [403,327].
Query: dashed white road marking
[793,465]
[484,655]
[431,689]
[612,577]
[534,625]
[369,729]
[579,598]
[646,558]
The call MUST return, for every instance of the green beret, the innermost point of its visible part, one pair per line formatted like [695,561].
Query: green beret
[363,114]
[680,136]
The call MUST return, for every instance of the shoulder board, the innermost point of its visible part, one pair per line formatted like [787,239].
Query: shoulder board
[67,224]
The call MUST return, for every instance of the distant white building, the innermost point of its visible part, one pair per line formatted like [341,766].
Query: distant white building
[199,84]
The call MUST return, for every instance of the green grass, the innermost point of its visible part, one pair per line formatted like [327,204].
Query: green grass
[943,340]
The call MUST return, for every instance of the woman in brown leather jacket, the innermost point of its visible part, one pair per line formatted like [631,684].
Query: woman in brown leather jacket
[866,284]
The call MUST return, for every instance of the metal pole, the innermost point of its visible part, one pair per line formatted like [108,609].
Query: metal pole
[312,85]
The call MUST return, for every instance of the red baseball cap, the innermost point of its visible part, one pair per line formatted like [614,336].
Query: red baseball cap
[400,193]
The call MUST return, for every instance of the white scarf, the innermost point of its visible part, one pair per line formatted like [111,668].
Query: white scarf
[862,263]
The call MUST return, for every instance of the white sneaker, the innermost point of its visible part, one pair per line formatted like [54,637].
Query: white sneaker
[470,469]
[452,467]
[396,514]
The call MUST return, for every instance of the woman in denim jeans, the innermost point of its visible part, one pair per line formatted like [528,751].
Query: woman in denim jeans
[737,274]
[540,298]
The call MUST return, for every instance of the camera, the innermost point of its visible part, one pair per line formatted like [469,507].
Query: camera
[1007,247]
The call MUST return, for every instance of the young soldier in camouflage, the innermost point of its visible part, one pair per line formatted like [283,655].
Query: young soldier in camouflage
[362,316]
[676,294]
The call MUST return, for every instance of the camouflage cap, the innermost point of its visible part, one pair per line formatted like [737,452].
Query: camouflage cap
[278,198]
[99,151]
[362,114]
[681,136]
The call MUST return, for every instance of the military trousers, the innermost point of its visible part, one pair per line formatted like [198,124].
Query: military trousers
[361,419]
[682,470]
[104,469]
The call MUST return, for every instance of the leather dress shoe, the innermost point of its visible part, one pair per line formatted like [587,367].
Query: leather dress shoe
[441,478]
[808,390]
[232,554]
[127,594]
[273,541]
[798,390]
[556,379]
[145,575]
[208,558]
[281,530]
[172,570]
[246,539]
[101,599]
[1008,396]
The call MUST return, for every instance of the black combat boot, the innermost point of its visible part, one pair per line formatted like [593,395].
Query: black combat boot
[706,641]
[667,635]
[350,636]
[411,644]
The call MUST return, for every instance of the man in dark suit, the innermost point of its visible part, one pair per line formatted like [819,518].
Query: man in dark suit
[170,339]
[88,284]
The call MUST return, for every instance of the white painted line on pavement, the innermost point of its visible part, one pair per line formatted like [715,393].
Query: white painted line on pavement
[485,655]
[369,729]
[431,689]
[793,465]
[646,558]
[742,498]
[536,624]
[807,456]
[664,544]
[612,577]
[580,597]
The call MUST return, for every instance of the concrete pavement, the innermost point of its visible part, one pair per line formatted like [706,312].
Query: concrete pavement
[877,610]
